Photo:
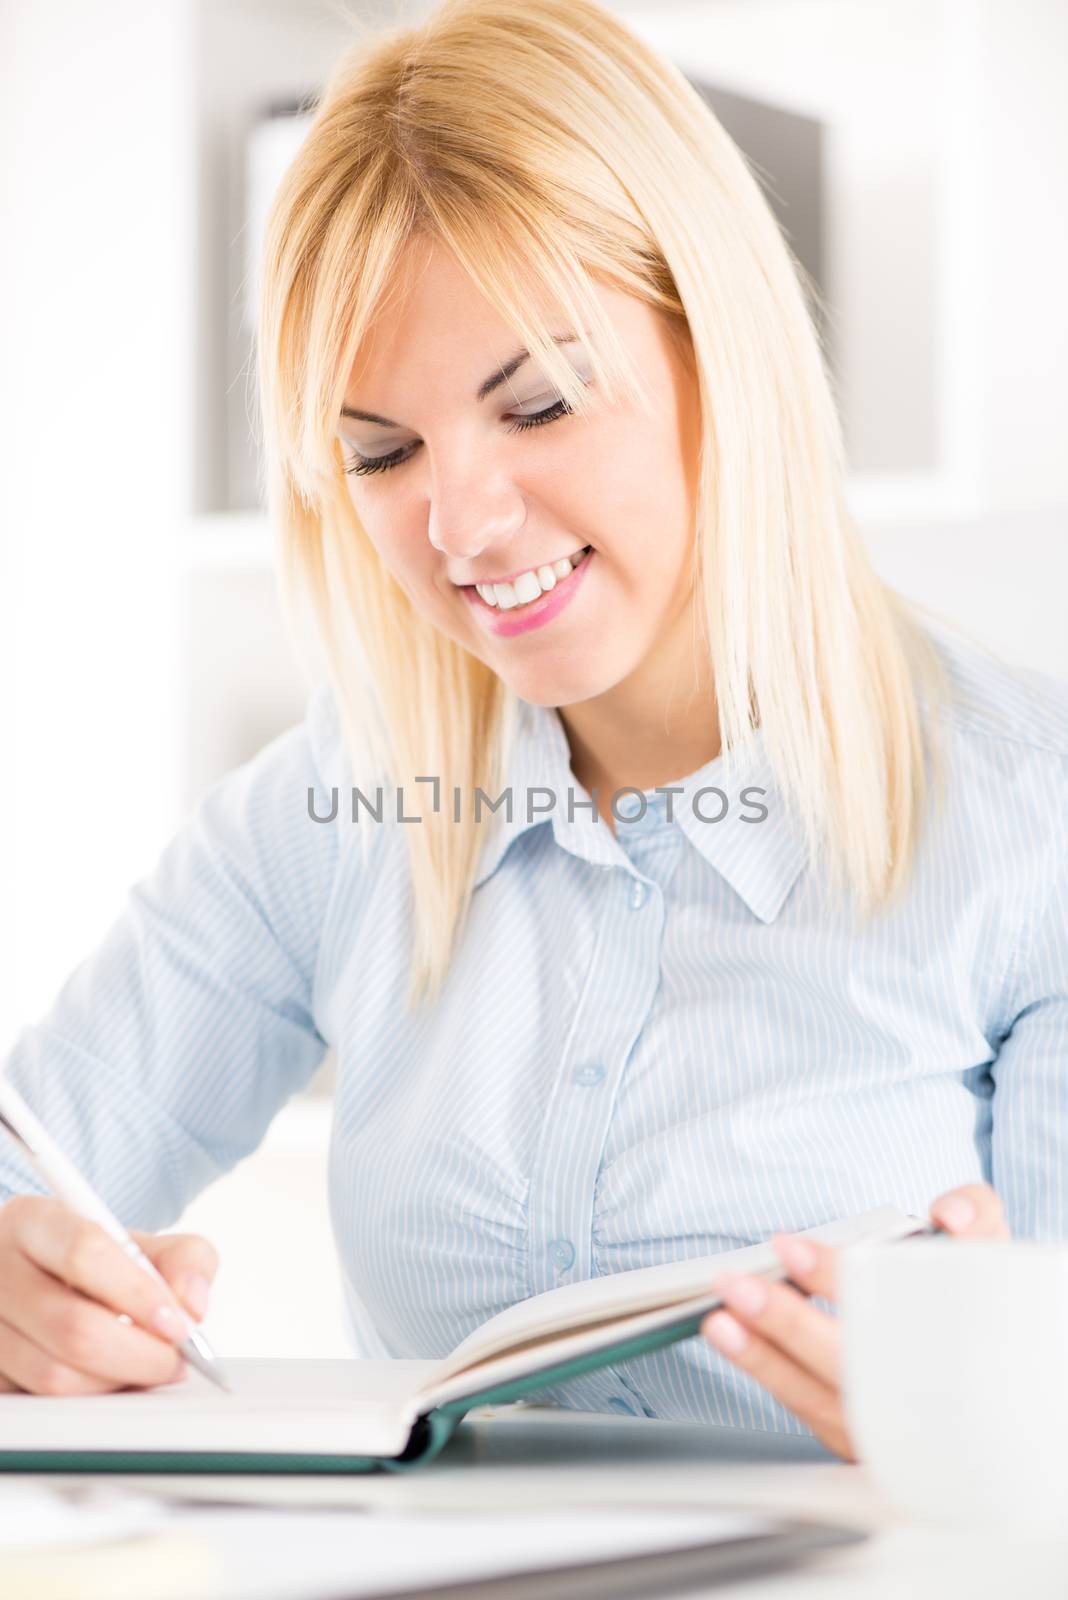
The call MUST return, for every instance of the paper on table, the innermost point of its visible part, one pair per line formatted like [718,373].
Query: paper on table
[43,1516]
[379,1553]
[160,1567]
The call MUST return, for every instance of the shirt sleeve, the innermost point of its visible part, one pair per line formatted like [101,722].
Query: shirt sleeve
[1029,1149]
[169,1049]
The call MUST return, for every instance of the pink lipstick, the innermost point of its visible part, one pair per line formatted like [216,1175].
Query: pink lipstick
[535,613]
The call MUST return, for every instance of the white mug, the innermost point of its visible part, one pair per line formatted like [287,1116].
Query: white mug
[955,1377]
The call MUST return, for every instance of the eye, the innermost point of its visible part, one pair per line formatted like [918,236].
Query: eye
[362,465]
[537,419]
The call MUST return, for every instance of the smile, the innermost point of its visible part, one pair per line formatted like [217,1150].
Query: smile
[528,585]
[517,614]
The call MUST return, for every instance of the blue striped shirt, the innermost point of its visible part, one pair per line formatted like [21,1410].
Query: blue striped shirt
[651,1045]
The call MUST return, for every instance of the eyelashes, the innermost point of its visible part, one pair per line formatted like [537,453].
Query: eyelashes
[362,465]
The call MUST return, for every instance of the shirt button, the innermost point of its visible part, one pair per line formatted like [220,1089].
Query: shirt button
[563,1254]
[639,894]
[588,1075]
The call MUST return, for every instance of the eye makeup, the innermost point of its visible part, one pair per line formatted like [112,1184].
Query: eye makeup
[362,465]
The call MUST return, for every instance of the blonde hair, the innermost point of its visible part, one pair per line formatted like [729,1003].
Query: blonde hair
[546,145]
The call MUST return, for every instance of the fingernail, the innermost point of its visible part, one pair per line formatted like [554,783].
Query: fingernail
[725,1333]
[169,1323]
[195,1292]
[747,1295]
[955,1212]
[796,1254]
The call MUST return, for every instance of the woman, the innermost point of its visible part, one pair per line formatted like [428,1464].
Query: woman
[773,927]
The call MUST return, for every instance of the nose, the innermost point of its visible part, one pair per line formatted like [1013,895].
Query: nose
[469,517]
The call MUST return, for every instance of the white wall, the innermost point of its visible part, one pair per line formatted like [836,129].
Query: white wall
[1019,269]
[278,1290]
[96,379]
[1003,578]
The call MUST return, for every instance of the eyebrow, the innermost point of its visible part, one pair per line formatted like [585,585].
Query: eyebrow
[494,381]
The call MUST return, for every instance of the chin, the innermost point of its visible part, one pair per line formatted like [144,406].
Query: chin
[556,689]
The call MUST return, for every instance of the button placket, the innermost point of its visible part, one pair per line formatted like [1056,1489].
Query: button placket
[605,1030]
[656,856]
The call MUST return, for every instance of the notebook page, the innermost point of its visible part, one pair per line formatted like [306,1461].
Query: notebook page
[276,1407]
[536,1354]
[622,1294]
[540,1351]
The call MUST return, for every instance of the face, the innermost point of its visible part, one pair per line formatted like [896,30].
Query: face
[504,492]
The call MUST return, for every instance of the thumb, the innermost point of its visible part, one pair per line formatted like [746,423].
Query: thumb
[811,1264]
[972,1211]
[187,1262]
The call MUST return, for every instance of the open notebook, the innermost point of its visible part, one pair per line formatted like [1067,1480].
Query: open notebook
[352,1416]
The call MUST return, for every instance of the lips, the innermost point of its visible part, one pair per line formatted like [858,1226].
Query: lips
[533,613]
[566,566]
[561,569]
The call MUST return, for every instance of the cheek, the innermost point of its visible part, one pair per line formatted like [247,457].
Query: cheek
[587,493]
[399,539]
[635,500]
[395,537]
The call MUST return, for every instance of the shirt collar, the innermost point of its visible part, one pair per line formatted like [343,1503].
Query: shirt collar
[760,860]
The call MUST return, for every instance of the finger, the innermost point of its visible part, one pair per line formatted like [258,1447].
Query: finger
[28,1368]
[972,1211]
[812,1265]
[786,1319]
[81,1254]
[188,1263]
[74,1330]
[815,1402]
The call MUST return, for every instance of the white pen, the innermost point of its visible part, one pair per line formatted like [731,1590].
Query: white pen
[68,1185]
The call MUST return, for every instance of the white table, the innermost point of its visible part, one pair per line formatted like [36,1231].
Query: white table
[526,1458]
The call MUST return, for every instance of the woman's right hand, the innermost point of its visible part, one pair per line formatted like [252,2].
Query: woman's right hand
[77,1316]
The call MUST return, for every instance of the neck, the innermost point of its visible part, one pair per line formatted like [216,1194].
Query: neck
[640,736]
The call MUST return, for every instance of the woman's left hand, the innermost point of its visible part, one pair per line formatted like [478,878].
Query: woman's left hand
[791,1347]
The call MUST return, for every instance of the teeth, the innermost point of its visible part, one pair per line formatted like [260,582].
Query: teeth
[529,585]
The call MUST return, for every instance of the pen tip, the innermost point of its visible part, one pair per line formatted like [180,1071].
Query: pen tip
[199,1354]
